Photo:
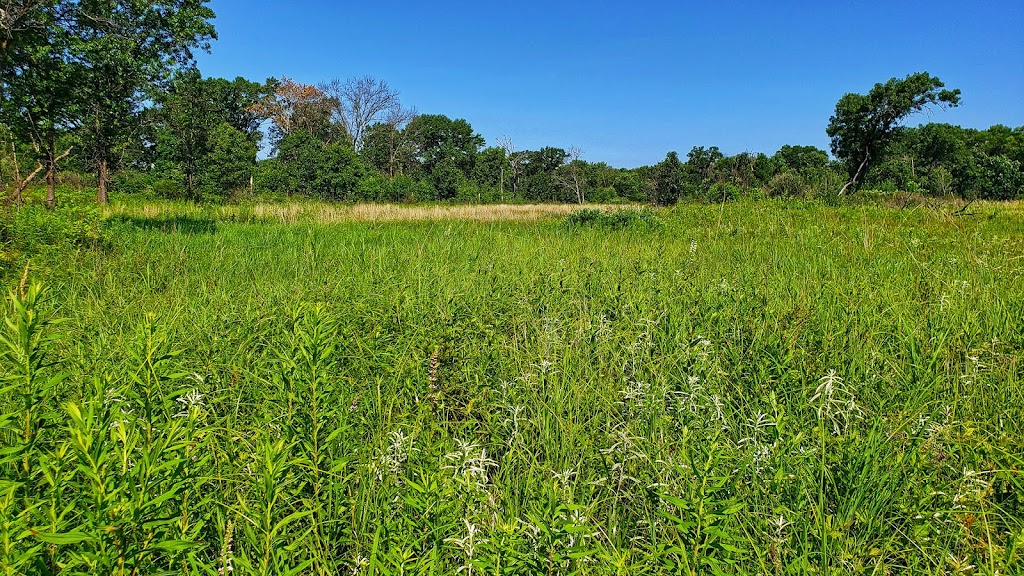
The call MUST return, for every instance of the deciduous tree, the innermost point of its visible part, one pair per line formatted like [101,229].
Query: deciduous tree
[437,137]
[668,180]
[359,103]
[130,47]
[864,123]
[39,92]
[294,106]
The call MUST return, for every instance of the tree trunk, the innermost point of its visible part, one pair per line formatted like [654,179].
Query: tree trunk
[51,171]
[17,199]
[18,196]
[103,175]
[51,183]
[856,177]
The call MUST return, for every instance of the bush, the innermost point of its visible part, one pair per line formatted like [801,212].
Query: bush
[722,192]
[469,193]
[133,183]
[786,185]
[602,195]
[998,178]
[338,173]
[446,178]
[298,157]
[373,188]
[631,187]
[633,218]
[405,188]
[32,229]
[169,185]
[271,177]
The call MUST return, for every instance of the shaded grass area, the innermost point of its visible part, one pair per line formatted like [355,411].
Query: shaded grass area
[756,388]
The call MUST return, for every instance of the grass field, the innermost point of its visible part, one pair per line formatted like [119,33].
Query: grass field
[754,388]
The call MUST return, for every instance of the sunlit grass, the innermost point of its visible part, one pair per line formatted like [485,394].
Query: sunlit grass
[756,388]
[325,212]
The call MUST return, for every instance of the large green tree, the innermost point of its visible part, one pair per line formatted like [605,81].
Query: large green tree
[438,138]
[802,159]
[24,27]
[236,102]
[186,118]
[39,92]
[387,145]
[188,113]
[228,166]
[668,180]
[864,123]
[131,47]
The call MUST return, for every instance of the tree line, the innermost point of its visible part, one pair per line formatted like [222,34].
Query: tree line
[105,93]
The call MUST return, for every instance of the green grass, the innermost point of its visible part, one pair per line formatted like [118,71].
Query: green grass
[757,388]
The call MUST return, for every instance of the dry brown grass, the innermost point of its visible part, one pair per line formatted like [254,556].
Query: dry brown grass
[325,212]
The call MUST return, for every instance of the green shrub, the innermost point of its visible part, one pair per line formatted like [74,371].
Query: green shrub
[632,218]
[787,185]
[33,230]
[722,192]
[229,165]
[271,177]
[998,178]
[405,188]
[373,188]
[133,183]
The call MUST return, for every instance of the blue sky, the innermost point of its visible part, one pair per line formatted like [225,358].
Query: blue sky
[628,81]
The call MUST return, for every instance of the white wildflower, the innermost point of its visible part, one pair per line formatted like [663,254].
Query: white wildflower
[189,402]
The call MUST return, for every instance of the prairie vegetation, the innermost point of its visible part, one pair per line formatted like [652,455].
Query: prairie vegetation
[276,328]
[325,212]
[758,388]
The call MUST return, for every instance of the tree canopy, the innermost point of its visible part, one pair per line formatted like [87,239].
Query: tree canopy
[864,123]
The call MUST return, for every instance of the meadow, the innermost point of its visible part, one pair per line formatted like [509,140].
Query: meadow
[760,387]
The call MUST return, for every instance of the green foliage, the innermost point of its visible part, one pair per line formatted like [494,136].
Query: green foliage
[802,159]
[446,178]
[787,185]
[864,124]
[229,165]
[631,186]
[623,218]
[33,230]
[519,397]
[338,173]
[437,138]
[998,178]
[298,158]
[668,181]
[130,47]
[723,192]
[308,167]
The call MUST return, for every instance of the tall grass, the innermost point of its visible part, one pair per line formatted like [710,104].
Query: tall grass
[757,388]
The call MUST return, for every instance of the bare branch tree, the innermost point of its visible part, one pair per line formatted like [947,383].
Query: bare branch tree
[576,179]
[397,118]
[360,103]
[16,16]
[515,163]
[18,183]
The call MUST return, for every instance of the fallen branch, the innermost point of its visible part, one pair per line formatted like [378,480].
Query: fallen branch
[963,210]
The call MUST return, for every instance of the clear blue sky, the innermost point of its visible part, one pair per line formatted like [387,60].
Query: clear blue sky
[629,81]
